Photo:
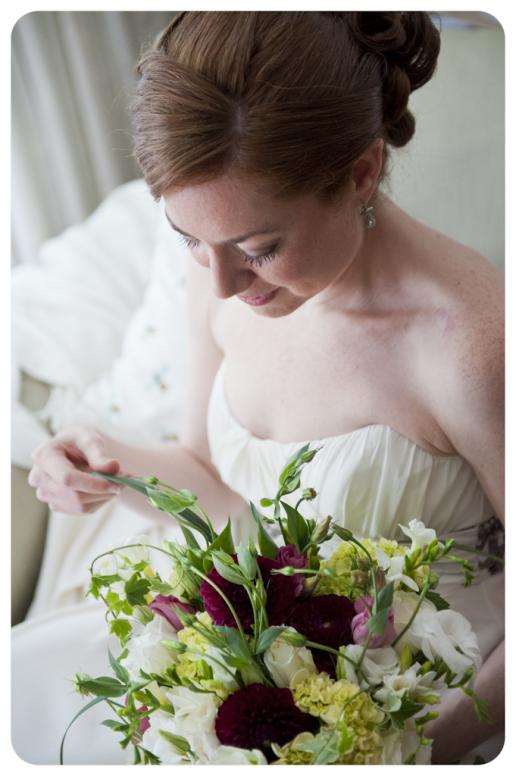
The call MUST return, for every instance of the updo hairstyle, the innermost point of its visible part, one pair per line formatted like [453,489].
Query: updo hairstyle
[291,97]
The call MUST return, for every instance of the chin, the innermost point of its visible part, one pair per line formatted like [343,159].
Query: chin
[280,308]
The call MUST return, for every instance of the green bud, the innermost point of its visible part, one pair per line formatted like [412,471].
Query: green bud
[266,502]
[308,456]
[309,494]
[406,658]
[175,646]
[151,480]
[321,529]
[426,667]
[429,698]
[80,679]
[293,638]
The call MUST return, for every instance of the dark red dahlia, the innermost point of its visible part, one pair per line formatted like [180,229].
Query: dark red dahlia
[327,620]
[166,606]
[257,716]
[282,591]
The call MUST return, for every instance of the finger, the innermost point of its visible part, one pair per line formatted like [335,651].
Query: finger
[74,503]
[63,472]
[92,448]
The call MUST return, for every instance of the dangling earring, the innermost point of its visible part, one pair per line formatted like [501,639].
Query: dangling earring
[368,215]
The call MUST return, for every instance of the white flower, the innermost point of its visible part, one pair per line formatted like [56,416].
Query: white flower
[158,744]
[195,714]
[120,562]
[418,687]
[419,533]
[145,650]
[232,755]
[284,661]
[393,568]
[376,664]
[436,633]
[398,745]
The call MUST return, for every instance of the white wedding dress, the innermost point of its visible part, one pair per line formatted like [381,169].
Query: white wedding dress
[370,480]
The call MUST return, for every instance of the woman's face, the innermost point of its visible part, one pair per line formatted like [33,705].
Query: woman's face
[273,256]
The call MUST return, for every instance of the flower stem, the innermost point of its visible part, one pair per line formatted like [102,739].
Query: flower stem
[420,600]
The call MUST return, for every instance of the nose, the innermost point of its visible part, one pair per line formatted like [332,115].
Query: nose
[228,278]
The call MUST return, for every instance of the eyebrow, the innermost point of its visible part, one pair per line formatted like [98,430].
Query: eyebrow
[233,240]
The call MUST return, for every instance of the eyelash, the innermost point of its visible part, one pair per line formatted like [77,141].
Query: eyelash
[259,260]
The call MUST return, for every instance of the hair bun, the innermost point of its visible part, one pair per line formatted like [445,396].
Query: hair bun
[408,44]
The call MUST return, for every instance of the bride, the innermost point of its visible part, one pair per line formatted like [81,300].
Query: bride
[317,311]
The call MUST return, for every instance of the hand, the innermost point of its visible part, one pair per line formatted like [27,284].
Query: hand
[61,466]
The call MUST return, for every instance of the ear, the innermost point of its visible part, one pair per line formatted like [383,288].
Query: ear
[366,170]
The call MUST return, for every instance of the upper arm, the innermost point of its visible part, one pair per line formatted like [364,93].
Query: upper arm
[471,400]
[203,360]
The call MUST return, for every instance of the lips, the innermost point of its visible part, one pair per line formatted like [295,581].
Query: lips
[259,300]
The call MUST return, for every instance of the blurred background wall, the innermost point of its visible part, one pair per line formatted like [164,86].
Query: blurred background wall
[72,79]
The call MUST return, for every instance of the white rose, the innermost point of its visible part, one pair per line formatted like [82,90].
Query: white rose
[284,661]
[158,744]
[418,533]
[376,664]
[436,633]
[232,755]
[145,650]
[195,714]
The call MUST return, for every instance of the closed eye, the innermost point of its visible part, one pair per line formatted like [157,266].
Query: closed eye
[268,255]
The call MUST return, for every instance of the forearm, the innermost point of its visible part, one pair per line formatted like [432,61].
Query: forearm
[458,729]
[177,466]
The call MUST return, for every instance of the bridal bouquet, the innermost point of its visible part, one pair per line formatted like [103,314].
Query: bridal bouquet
[267,654]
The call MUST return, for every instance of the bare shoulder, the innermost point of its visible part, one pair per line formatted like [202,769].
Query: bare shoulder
[465,366]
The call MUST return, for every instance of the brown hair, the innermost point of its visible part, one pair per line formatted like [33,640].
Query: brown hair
[291,97]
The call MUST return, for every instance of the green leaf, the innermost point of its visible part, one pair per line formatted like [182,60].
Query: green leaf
[266,502]
[385,596]
[324,747]
[224,540]
[115,724]
[121,673]
[376,624]
[266,544]
[135,484]
[437,600]
[136,588]
[297,526]
[105,580]
[229,572]
[247,562]
[179,743]
[190,538]
[267,636]
[406,710]
[79,714]
[236,643]
[121,628]
[103,686]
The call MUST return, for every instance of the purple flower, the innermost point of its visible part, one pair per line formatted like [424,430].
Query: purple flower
[256,716]
[325,619]
[359,625]
[166,606]
[282,591]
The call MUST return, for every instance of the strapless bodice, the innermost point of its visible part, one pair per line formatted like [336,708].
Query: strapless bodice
[370,479]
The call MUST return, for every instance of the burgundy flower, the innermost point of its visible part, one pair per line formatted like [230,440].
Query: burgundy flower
[166,606]
[282,591]
[256,716]
[327,620]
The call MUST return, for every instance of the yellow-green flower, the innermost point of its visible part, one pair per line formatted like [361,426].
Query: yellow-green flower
[205,673]
[289,754]
[350,565]
[342,703]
